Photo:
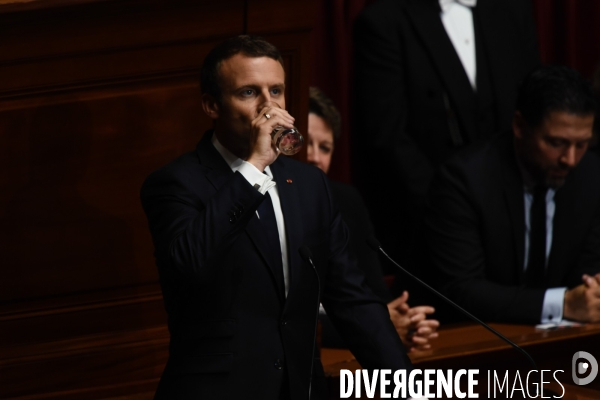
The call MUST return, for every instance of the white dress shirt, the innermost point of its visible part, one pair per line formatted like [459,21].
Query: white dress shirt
[552,308]
[457,18]
[264,183]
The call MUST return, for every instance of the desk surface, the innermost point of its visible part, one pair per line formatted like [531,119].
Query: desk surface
[472,346]
[465,340]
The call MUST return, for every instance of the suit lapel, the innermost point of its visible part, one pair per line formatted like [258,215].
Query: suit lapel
[497,50]
[219,171]
[425,16]
[512,187]
[290,206]
[254,229]
[218,174]
[565,217]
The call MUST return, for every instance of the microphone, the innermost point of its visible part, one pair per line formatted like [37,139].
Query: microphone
[375,245]
[306,255]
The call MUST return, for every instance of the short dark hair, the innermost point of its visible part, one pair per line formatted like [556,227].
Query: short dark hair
[248,45]
[320,104]
[554,88]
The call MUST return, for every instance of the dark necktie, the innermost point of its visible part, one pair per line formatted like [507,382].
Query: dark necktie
[536,263]
[267,219]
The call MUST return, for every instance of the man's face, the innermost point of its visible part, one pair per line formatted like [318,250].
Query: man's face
[246,83]
[320,142]
[550,151]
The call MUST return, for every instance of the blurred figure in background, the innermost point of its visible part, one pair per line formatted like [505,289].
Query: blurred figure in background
[431,77]
[514,224]
[412,324]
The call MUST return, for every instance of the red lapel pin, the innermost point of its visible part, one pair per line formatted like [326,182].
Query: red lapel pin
[288,180]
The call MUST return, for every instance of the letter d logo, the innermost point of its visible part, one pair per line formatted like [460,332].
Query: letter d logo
[583,367]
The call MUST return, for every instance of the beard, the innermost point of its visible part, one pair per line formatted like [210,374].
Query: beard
[547,174]
[554,182]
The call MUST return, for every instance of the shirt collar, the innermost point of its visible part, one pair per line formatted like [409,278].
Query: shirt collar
[529,183]
[231,159]
[445,4]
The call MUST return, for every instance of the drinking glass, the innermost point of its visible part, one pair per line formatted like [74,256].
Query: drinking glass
[288,141]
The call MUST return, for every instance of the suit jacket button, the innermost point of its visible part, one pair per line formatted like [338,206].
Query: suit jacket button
[278,364]
[283,322]
[232,220]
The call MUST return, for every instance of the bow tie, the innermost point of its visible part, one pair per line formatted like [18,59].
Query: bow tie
[467,3]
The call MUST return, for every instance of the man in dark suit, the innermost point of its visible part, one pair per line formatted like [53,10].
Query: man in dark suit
[228,221]
[431,77]
[514,224]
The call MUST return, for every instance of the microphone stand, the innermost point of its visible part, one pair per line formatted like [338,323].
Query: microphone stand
[306,254]
[375,245]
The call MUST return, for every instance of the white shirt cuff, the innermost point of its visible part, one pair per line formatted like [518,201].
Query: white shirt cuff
[262,182]
[552,309]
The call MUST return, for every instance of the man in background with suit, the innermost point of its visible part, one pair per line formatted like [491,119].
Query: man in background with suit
[228,221]
[514,224]
[431,77]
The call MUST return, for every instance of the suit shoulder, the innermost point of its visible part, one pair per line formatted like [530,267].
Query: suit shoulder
[477,170]
[298,168]
[343,192]
[591,161]
[480,156]
[351,205]
[519,7]
[382,10]
[179,168]
[588,171]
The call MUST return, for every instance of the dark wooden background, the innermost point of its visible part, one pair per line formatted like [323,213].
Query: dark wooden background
[94,95]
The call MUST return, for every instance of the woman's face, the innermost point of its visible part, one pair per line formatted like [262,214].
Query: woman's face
[320,142]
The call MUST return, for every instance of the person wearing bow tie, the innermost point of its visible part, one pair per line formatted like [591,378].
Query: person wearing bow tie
[431,77]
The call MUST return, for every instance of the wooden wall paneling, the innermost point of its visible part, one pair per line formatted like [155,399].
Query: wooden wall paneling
[94,95]
[72,225]
[92,99]
[268,16]
[98,43]
[89,367]
[71,214]
[11,6]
